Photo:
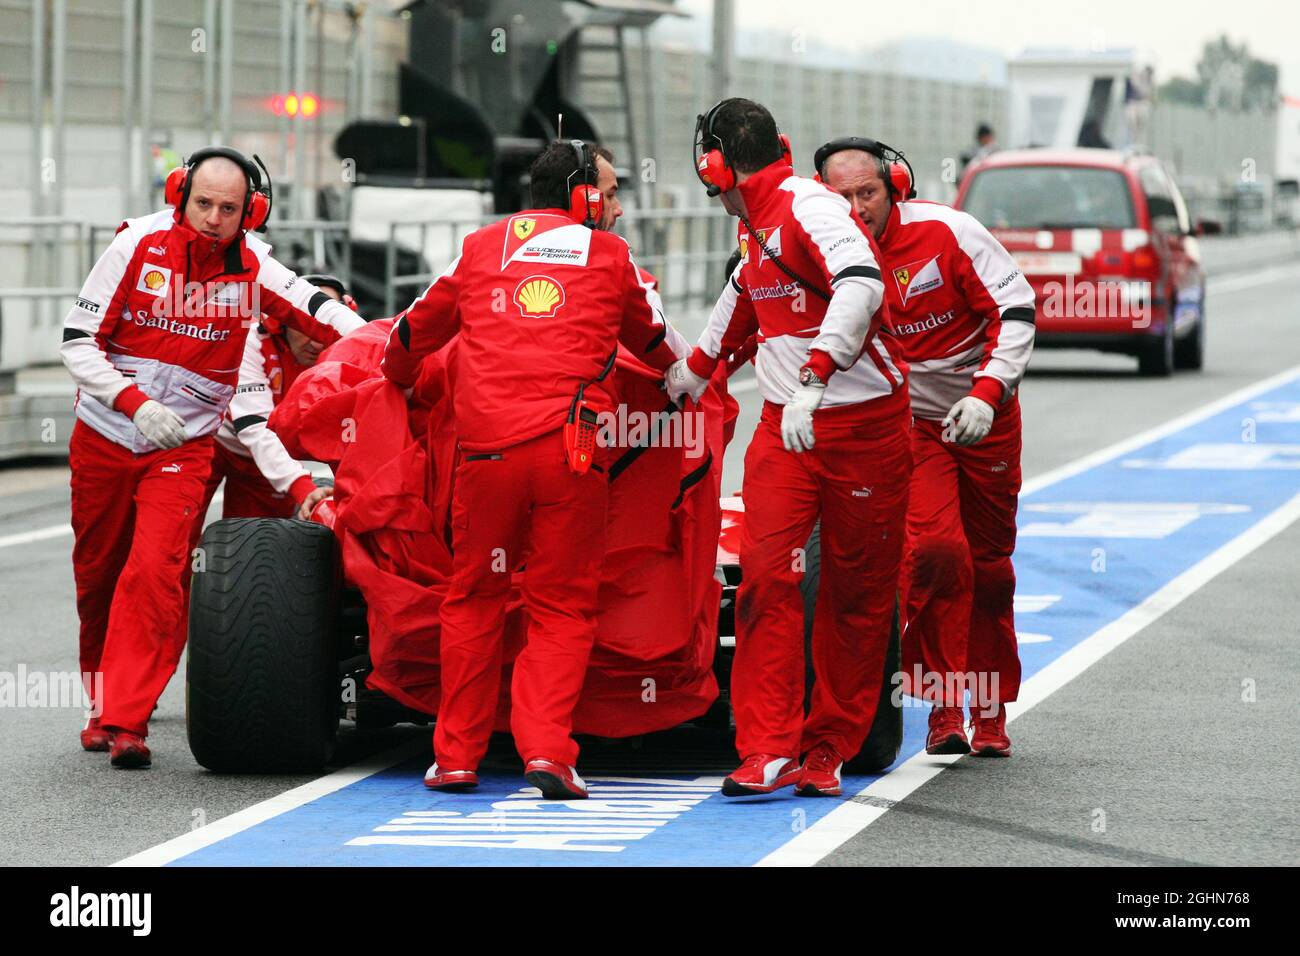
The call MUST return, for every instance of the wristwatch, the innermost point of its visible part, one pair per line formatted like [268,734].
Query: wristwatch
[808,377]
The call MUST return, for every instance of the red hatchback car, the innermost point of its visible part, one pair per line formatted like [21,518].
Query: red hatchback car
[1105,240]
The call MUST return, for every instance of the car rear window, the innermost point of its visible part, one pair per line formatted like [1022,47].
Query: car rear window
[1050,197]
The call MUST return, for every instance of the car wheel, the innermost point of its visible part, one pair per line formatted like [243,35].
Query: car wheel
[261,679]
[1156,358]
[1189,353]
[885,739]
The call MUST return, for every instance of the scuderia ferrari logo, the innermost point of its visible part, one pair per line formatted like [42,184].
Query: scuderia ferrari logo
[539,297]
[917,278]
[524,227]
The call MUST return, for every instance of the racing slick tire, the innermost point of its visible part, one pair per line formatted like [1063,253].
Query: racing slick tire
[261,678]
[885,739]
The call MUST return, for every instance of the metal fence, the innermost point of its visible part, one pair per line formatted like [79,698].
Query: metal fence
[685,249]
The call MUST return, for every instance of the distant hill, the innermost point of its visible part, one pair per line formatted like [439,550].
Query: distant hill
[936,58]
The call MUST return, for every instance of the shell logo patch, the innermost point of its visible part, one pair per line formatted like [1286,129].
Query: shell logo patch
[539,297]
[744,248]
[524,227]
[153,279]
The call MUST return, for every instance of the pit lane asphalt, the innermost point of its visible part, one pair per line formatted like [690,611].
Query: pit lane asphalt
[1155,734]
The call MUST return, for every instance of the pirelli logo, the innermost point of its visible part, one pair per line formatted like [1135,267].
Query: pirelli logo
[88,306]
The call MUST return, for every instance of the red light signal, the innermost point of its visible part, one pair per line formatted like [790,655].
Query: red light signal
[306,105]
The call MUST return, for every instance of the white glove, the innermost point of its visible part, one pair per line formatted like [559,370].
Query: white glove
[797,418]
[680,380]
[968,421]
[160,424]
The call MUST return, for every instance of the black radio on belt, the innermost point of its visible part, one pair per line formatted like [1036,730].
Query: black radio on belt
[580,434]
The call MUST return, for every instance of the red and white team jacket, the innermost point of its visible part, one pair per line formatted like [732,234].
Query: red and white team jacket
[814,232]
[268,370]
[152,322]
[962,311]
[540,302]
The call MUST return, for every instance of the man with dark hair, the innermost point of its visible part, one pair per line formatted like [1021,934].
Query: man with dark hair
[964,317]
[831,442]
[540,304]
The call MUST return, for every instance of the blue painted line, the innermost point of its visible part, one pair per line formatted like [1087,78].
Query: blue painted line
[1092,546]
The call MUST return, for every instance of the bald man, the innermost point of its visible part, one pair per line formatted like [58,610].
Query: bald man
[154,343]
[964,316]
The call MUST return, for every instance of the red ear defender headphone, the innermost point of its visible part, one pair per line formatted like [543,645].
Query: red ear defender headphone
[586,202]
[257,201]
[894,167]
[711,163]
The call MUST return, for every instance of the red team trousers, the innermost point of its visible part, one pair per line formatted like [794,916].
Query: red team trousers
[856,479]
[958,582]
[248,494]
[131,517]
[522,502]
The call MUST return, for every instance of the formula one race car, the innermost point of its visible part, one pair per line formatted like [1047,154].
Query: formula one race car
[296,624]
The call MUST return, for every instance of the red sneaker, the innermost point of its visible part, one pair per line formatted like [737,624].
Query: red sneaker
[990,738]
[946,734]
[94,736]
[820,776]
[761,773]
[436,778]
[555,780]
[129,752]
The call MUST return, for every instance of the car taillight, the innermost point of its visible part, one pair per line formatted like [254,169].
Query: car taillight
[1144,260]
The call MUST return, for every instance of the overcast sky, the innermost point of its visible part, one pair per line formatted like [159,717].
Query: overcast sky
[1168,33]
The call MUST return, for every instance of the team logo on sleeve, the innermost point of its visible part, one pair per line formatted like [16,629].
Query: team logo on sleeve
[539,297]
[917,278]
[524,227]
[153,279]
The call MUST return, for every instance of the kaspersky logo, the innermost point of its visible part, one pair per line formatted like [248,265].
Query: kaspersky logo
[539,297]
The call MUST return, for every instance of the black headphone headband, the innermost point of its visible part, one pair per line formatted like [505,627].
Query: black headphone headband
[247,165]
[704,123]
[586,168]
[586,165]
[882,151]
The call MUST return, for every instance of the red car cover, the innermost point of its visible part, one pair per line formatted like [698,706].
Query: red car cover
[651,667]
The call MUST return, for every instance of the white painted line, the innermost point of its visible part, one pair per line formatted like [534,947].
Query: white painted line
[850,818]
[55,530]
[40,534]
[219,830]
[1236,283]
[846,819]
[1160,431]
